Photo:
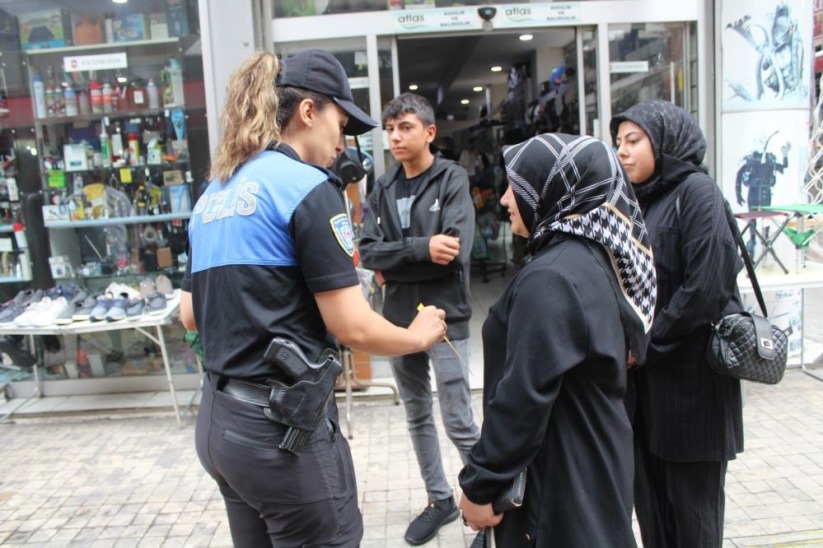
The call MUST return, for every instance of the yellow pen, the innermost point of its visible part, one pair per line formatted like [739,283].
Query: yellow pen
[446,338]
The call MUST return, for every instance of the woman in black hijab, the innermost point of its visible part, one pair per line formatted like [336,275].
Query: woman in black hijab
[687,419]
[555,348]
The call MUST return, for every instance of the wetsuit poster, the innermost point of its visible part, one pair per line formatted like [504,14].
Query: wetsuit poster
[767,54]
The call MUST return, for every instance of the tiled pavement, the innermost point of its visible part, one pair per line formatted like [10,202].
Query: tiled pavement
[133,479]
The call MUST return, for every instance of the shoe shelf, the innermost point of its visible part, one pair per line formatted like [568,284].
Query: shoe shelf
[135,219]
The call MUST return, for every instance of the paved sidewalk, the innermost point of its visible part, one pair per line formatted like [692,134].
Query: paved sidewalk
[132,480]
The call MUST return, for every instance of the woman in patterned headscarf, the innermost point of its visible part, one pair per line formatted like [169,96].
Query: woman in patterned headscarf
[555,348]
[687,419]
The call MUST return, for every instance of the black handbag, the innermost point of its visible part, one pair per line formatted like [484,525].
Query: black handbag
[744,345]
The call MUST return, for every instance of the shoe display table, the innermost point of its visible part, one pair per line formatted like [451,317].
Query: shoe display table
[149,325]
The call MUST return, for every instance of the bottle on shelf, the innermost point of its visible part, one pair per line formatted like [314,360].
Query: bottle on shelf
[70,99]
[96,97]
[105,148]
[134,149]
[117,143]
[39,96]
[115,97]
[107,94]
[50,106]
[153,93]
[137,95]
[83,104]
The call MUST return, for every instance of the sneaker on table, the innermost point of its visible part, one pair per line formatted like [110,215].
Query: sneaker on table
[26,319]
[67,316]
[117,310]
[82,310]
[156,303]
[15,307]
[134,309]
[101,308]
[163,285]
[47,315]
[147,288]
[116,288]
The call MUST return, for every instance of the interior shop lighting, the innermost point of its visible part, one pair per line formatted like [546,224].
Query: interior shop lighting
[413,87]
[497,68]
[477,88]
[119,1]
[464,101]
[526,37]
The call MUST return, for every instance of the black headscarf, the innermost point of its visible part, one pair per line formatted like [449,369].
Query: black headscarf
[576,185]
[677,142]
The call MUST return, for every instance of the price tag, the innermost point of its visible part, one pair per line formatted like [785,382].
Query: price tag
[125,175]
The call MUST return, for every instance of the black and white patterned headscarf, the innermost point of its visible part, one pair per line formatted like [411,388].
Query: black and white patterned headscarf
[576,185]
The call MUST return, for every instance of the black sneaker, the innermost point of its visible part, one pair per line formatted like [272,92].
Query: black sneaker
[436,515]
[480,540]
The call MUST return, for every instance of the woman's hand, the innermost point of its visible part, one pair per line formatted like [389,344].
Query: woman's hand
[631,361]
[430,325]
[478,516]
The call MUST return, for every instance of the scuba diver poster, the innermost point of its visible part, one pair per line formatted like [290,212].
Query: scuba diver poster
[764,158]
[767,54]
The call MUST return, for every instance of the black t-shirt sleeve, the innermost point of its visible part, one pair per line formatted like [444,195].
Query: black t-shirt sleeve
[323,240]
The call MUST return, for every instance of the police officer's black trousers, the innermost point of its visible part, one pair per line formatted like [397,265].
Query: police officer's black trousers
[275,498]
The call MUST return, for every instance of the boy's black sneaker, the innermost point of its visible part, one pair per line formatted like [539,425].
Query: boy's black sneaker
[425,526]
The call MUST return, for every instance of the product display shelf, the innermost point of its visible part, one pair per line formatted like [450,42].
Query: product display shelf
[6,228]
[102,116]
[135,219]
[108,45]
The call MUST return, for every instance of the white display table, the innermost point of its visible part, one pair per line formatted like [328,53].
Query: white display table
[69,332]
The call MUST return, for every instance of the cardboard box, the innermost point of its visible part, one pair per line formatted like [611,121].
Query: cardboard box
[158,26]
[164,257]
[45,29]
[75,157]
[172,177]
[177,18]
[130,27]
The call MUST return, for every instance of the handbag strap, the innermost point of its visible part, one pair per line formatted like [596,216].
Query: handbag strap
[746,258]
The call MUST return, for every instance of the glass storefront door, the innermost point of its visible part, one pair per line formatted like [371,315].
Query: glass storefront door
[651,61]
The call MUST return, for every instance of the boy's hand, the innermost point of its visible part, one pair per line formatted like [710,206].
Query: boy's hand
[443,249]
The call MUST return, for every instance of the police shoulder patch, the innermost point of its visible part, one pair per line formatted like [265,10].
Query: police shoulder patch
[342,231]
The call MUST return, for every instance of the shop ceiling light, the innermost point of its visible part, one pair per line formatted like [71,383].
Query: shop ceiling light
[477,88]
[526,37]
[464,101]
[119,1]
[497,68]
[413,87]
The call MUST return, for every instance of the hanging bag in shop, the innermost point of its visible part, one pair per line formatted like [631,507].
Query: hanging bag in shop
[744,345]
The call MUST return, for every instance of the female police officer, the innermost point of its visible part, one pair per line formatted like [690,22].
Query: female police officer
[271,257]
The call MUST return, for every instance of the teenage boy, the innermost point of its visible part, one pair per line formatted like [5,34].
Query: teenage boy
[417,239]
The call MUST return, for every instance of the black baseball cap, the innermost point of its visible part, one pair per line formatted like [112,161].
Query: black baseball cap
[319,71]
